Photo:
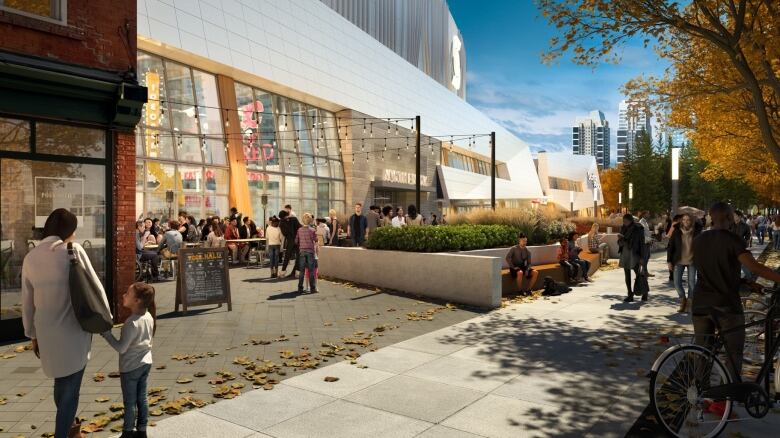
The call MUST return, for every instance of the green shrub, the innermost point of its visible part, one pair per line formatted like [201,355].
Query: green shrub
[448,238]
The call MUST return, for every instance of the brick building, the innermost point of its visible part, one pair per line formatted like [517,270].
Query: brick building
[69,102]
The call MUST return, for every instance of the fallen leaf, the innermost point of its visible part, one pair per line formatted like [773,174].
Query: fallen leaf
[200,374]
[8,356]
[161,367]
[114,374]
[19,349]
[331,379]
[115,407]
[183,380]
[102,399]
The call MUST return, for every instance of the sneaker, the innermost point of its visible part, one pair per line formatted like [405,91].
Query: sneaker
[628,299]
[313,291]
[301,290]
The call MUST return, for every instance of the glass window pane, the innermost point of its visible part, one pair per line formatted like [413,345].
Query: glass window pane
[292,187]
[192,204]
[68,140]
[191,178]
[296,205]
[331,133]
[159,207]
[160,177]
[284,123]
[215,206]
[249,117]
[217,180]
[308,206]
[29,192]
[139,206]
[158,144]
[307,165]
[337,190]
[208,103]
[336,170]
[44,8]
[14,135]
[214,153]
[188,148]
[308,188]
[273,185]
[178,79]
[323,168]
[139,143]
[291,163]
[256,182]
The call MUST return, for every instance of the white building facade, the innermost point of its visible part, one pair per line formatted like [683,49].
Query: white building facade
[570,182]
[292,100]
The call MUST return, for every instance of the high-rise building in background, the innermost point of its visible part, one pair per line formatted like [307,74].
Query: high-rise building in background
[590,136]
[633,117]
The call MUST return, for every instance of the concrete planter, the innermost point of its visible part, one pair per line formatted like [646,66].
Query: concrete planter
[456,277]
[540,254]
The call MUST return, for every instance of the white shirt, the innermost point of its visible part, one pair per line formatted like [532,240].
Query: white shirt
[135,344]
[47,313]
[648,233]
[273,235]
[399,221]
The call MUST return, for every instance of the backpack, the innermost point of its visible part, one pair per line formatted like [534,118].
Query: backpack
[86,298]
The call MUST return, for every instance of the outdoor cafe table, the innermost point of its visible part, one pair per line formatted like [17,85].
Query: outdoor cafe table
[250,241]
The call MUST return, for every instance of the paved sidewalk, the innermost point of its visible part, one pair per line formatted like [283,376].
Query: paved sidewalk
[567,366]
[210,339]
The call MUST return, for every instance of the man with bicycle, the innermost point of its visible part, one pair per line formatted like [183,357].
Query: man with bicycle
[718,255]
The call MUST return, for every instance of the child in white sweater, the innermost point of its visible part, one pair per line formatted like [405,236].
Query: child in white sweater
[135,356]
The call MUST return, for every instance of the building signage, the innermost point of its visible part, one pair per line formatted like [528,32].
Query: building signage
[456,77]
[52,193]
[594,179]
[153,113]
[397,176]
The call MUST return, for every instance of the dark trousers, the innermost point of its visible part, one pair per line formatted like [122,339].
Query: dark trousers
[627,273]
[584,266]
[571,270]
[704,327]
[66,398]
[290,253]
[154,261]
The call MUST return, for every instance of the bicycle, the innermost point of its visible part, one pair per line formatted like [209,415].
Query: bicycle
[692,393]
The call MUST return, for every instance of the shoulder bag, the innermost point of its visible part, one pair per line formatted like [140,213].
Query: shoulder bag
[86,297]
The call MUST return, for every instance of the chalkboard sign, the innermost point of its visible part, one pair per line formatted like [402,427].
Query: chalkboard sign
[203,278]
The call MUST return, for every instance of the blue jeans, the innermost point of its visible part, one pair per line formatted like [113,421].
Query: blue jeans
[273,254]
[306,260]
[134,397]
[584,267]
[760,231]
[776,239]
[678,280]
[66,398]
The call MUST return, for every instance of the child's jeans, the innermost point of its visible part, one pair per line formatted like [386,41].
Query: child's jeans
[273,254]
[134,397]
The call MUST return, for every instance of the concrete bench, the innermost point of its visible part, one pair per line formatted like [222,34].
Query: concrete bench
[552,270]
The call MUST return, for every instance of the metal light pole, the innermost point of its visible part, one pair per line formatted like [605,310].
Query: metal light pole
[620,202]
[571,202]
[417,164]
[630,195]
[595,202]
[675,178]
[493,170]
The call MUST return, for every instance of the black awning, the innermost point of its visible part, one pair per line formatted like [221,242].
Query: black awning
[49,89]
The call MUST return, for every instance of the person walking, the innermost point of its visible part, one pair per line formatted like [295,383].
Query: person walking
[273,237]
[679,256]
[648,240]
[306,240]
[135,356]
[761,228]
[631,241]
[776,233]
[413,219]
[717,256]
[519,261]
[595,245]
[357,226]
[48,318]
[289,226]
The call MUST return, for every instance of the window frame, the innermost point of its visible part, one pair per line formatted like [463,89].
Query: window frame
[62,13]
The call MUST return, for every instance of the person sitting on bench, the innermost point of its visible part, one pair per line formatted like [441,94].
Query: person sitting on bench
[519,260]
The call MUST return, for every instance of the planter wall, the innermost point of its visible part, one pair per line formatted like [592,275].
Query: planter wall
[466,279]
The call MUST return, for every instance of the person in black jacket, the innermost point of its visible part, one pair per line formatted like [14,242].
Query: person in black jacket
[289,226]
[679,256]
[631,240]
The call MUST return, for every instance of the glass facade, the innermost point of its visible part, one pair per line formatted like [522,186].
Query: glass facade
[565,184]
[182,154]
[463,162]
[50,166]
[292,154]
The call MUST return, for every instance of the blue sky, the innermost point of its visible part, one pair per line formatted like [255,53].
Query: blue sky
[506,79]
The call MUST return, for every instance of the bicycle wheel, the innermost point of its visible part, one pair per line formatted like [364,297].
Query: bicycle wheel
[753,302]
[675,393]
[754,338]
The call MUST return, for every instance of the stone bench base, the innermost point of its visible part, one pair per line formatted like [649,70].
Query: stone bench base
[552,270]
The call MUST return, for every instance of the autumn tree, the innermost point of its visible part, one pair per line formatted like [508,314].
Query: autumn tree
[612,184]
[724,78]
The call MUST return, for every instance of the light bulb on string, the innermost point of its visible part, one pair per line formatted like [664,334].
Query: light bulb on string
[383,155]
[366,157]
[362,145]
[407,143]
[388,126]
[371,130]
[364,127]
[385,144]
[181,140]
[226,145]
[396,130]
[399,155]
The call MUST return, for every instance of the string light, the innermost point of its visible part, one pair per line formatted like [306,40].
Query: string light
[371,130]
[399,155]
[388,126]
[362,144]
